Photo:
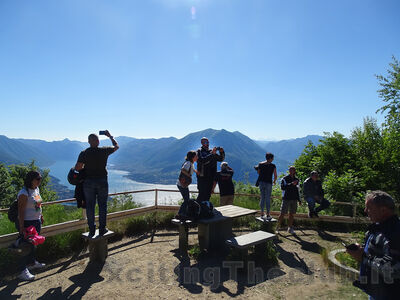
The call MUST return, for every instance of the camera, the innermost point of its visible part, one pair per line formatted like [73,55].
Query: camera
[102,132]
[218,148]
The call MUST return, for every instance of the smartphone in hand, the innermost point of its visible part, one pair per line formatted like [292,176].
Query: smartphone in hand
[102,132]
[351,247]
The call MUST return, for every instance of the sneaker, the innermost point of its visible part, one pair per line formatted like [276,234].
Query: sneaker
[290,230]
[36,265]
[269,218]
[103,231]
[26,275]
[92,233]
[277,229]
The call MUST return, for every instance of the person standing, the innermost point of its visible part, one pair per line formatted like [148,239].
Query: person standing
[379,257]
[185,178]
[207,168]
[29,214]
[290,197]
[265,170]
[314,193]
[94,161]
[225,184]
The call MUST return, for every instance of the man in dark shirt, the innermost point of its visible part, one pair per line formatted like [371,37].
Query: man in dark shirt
[94,161]
[313,193]
[225,184]
[380,256]
[207,168]
[290,197]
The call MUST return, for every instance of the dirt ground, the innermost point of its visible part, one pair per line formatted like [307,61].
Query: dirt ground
[139,269]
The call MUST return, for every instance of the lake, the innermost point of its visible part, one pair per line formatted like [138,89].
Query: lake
[119,183]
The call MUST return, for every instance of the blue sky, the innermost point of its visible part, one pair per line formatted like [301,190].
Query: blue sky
[270,69]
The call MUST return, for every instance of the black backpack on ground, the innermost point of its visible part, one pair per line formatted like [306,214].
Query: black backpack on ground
[193,210]
[13,211]
[206,210]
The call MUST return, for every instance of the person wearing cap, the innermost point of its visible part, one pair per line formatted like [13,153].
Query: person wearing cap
[207,168]
[290,197]
[225,184]
[314,193]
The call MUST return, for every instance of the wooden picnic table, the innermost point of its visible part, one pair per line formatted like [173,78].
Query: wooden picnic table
[215,231]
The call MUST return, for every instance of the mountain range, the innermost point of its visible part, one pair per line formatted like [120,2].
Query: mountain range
[159,160]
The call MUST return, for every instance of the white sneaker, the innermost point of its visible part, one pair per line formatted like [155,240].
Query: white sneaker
[290,230]
[269,218]
[26,275]
[277,229]
[36,265]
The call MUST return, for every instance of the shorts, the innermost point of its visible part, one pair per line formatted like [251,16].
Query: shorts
[289,205]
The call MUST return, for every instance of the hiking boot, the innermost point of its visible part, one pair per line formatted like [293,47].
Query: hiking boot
[26,275]
[36,265]
[103,231]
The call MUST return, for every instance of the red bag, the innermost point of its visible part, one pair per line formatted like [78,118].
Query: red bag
[32,236]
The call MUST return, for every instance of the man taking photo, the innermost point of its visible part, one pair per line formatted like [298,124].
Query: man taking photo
[94,161]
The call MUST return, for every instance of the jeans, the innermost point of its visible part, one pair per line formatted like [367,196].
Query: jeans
[204,185]
[265,200]
[30,257]
[311,204]
[93,187]
[186,197]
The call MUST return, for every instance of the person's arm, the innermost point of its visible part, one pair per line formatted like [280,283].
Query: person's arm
[204,157]
[387,266]
[22,201]
[80,164]
[306,188]
[275,176]
[186,169]
[113,141]
[221,155]
[283,184]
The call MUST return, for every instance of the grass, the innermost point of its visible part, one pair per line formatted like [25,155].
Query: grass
[345,259]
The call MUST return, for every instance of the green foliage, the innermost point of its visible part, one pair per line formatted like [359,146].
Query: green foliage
[369,159]
[12,180]
[121,202]
[194,251]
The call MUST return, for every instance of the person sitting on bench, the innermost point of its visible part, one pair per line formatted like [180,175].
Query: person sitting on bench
[313,192]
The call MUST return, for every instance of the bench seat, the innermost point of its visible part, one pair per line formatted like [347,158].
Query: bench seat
[250,239]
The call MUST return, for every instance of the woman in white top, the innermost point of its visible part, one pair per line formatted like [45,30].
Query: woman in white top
[187,169]
[29,214]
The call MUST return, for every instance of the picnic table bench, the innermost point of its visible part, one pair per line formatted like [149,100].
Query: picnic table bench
[212,232]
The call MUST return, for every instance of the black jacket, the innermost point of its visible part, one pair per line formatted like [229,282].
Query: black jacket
[207,163]
[290,191]
[312,188]
[381,262]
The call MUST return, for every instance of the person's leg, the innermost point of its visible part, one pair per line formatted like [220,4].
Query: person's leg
[311,206]
[324,205]
[102,197]
[186,197]
[262,196]
[201,187]
[268,197]
[282,214]
[208,189]
[230,199]
[292,211]
[90,198]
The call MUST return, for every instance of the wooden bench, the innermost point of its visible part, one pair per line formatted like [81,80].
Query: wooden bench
[258,239]
[183,233]
[98,245]
[267,225]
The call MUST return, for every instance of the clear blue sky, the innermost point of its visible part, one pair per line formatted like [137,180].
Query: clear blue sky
[270,69]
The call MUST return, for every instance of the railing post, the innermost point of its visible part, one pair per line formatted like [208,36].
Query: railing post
[354,211]
[156,198]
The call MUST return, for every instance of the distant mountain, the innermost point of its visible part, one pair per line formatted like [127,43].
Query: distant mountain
[159,160]
[289,150]
[57,150]
[13,151]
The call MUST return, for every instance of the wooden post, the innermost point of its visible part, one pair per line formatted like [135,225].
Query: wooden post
[156,198]
[354,211]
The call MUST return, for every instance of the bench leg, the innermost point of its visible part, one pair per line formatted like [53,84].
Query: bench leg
[183,238]
[245,258]
[260,249]
[204,236]
[98,250]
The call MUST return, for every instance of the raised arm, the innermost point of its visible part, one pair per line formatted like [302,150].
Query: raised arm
[113,141]
[221,155]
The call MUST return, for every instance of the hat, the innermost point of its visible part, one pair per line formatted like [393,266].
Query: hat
[224,165]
